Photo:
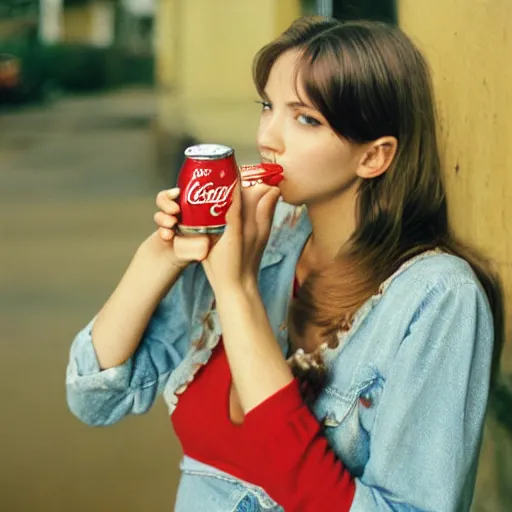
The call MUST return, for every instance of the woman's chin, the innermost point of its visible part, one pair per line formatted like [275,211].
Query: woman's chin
[290,198]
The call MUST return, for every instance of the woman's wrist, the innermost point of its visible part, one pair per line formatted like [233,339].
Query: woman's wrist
[246,289]
[161,254]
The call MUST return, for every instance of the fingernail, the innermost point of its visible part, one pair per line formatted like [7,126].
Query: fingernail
[173,193]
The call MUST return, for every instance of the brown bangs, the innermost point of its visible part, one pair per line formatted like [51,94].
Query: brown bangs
[299,36]
[355,96]
[263,63]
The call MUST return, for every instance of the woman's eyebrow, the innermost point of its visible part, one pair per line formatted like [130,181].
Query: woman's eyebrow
[299,104]
[290,104]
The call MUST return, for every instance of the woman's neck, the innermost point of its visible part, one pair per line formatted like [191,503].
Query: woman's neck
[333,222]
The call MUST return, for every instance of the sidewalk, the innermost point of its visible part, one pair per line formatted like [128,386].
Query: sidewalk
[77,188]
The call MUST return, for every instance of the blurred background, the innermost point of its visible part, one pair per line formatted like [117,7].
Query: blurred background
[98,99]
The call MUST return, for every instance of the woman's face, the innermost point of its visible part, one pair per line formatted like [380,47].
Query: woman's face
[318,164]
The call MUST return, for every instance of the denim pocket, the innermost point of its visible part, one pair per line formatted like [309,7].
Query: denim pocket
[346,418]
[369,399]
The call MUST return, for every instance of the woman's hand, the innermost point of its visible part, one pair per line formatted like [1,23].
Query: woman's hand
[182,250]
[229,260]
[234,259]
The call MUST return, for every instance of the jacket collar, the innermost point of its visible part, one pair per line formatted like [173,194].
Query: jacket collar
[290,230]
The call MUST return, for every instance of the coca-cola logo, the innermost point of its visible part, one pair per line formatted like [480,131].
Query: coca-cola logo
[209,193]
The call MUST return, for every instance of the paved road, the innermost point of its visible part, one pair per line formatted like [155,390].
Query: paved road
[77,184]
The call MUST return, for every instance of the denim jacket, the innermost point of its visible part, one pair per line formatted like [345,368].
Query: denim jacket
[405,398]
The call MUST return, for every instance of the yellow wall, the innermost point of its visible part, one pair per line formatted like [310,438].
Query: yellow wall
[167,34]
[469,46]
[206,87]
[77,24]
[286,12]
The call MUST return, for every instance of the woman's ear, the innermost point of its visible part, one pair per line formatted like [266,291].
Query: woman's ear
[377,157]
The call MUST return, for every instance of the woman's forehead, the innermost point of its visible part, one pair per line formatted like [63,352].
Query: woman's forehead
[286,76]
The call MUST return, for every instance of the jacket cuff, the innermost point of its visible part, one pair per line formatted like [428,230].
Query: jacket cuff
[83,354]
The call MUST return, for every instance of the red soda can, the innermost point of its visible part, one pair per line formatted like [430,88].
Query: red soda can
[207,179]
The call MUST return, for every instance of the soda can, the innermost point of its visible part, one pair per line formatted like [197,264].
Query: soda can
[207,179]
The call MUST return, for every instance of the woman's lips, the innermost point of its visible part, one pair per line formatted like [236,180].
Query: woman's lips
[268,173]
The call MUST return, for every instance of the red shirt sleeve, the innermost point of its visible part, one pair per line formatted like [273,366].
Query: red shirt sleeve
[305,474]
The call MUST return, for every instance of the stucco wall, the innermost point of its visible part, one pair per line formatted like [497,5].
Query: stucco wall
[204,69]
[469,46]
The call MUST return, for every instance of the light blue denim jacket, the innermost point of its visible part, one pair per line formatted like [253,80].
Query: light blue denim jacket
[405,399]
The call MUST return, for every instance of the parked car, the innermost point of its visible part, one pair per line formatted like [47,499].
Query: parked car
[23,73]
[10,77]
[10,71]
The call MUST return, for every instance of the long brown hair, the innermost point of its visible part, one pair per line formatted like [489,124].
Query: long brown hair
[369,81]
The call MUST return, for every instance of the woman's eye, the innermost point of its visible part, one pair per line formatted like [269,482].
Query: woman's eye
[265,105]
[307,120]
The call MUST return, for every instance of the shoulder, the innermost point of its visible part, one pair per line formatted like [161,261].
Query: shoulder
[432,288]
[433,272]
[439,289]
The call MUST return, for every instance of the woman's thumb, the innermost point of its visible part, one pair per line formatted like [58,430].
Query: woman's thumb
[191,248]
[265,211]
[234,214]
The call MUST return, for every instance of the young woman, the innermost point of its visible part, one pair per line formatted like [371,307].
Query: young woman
[331,350]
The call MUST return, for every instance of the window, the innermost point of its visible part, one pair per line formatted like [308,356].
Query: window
[383,10]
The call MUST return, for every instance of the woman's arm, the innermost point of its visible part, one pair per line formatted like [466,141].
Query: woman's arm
[121,322]
[251,346]
[122,359]
[155,268]
[101,396]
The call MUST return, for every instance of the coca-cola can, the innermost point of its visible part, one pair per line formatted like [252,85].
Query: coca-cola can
[207,179]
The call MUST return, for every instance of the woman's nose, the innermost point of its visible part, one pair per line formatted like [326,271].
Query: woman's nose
[270,137]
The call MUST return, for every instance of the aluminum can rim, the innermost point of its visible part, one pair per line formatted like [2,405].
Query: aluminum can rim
[208,152]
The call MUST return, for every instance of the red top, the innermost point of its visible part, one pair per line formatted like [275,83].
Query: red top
[278,447]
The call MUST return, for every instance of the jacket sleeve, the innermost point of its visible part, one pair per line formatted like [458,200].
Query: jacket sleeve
[427,431]
[103,397]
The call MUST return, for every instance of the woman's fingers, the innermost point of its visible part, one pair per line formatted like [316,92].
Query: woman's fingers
[265,212]
[234,214]
[166,201]
[250,215]
[163,220]
[166,234]
[165,225]
[251,195]
[258,205]
[167,218]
